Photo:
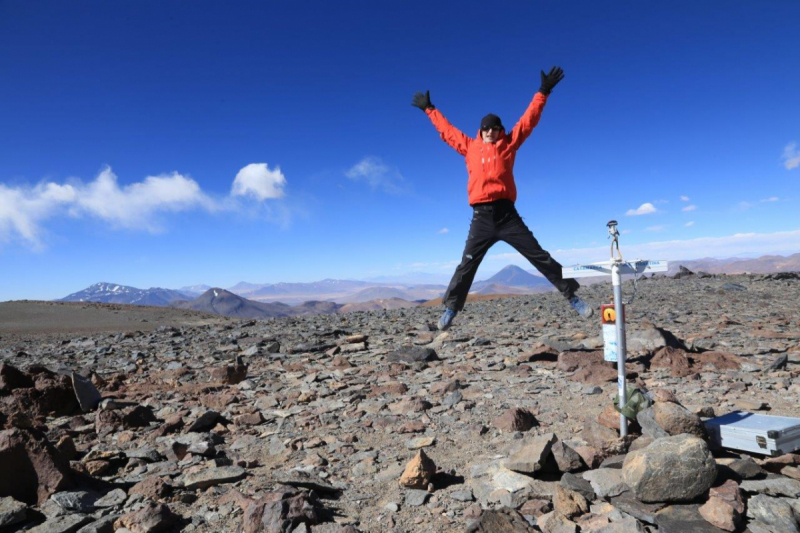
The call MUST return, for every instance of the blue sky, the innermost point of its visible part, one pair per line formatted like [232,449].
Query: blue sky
[172,143]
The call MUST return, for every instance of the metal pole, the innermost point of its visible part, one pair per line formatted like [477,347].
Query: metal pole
[616,281]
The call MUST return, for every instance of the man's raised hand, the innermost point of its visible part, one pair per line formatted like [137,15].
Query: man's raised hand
[551,79]
[422,101]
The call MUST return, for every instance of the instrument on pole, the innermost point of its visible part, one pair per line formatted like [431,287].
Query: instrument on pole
[613,316]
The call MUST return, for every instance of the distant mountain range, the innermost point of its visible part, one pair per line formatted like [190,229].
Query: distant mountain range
[113,293]
[766,264]
[256,300]
[222,302]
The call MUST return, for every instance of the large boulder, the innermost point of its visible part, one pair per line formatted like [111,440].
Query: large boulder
[671,469]
[32,468]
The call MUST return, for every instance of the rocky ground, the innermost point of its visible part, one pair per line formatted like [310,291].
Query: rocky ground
[376,422]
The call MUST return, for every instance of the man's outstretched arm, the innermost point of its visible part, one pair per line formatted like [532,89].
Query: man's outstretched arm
[449,133]
[531,117]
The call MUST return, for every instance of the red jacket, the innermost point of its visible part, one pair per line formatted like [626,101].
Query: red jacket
[490,165]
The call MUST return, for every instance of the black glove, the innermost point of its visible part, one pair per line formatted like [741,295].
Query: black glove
[422,101]
[551,79]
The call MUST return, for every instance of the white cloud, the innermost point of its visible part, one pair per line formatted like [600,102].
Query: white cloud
[444,231]
[770,199]
[744,205]
[689,224]
[378,175]
[138,206]
[689,208]
[655,228]
[684,198]
[780,242]
[258,181]
[644,209]
[791,156]
[23,210]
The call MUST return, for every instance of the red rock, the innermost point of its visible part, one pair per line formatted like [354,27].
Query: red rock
[152,488]
[32,468]
[51,395]
[515,419]
[107,422]
[11,378]
[137,417]
[219,401]
[389,388]
[414,426]
[230,374]
[569,503]
[281,511]
[729,491]
[664,395]
[536,508]
[473,511]
[675,419]
[341,362]
[172,425]
[250,419]
[66,446]
[609,417]
[590,456]
[442,388]
[724,507]
[152,518]
[97,467]
[598,436]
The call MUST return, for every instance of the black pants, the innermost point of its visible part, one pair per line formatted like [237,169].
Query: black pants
[499,221]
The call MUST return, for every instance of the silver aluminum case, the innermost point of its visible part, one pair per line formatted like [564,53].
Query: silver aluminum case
[760,434]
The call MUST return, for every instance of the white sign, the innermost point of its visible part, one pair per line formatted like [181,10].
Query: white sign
[604,268]
[610,346]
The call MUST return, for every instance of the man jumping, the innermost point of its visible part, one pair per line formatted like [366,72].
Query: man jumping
[492,193]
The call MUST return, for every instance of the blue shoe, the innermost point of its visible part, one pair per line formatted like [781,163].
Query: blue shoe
[447,319]
[581,307]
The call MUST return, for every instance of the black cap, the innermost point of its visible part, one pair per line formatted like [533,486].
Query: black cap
[491,120]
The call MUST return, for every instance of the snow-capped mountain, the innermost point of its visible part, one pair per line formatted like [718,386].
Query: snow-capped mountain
[121,294]
[194,290]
